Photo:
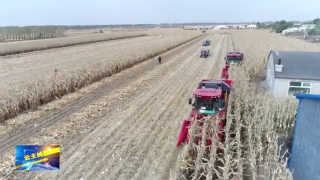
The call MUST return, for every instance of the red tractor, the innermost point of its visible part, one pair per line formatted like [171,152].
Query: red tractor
[234,58]
[210,99]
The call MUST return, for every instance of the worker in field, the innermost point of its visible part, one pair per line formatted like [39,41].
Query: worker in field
[159,58]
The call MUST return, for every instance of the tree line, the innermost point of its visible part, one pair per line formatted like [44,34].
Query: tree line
[281,25]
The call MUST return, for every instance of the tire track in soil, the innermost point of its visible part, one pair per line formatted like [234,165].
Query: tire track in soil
[135,113]
[206,74]
[76,150]
[31,130]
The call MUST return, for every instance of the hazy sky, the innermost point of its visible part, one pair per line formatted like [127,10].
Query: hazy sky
[84,12]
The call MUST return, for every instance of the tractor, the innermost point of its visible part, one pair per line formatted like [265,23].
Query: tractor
[209,99]
[204,53]
[206,43]
[234,58]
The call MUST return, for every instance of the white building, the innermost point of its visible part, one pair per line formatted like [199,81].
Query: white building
[291,72]
[219,27]
[308,26]
[252,26]
[290,30]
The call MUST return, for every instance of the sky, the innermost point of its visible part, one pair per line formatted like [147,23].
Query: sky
[88,12]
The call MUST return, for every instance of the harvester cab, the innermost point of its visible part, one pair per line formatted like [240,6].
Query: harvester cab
[206,102]
[211,94]
[209,99]
[234,58]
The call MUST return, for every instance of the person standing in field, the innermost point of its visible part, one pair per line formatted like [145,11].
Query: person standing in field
[159,59]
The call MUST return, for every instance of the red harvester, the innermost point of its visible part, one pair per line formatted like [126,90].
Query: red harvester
[233,58]
[211,98]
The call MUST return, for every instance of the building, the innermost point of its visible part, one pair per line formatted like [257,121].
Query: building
[308,26]
[252,26]
[291,30]
[304,160]
[293,72]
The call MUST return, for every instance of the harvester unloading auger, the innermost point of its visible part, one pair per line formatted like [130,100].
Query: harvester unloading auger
[211,98]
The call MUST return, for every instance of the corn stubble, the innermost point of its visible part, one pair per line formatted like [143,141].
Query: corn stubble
[255,120]
[35,93]
[37,45]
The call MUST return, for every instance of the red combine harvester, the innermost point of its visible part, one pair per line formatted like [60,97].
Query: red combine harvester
[211,98]
[234,58]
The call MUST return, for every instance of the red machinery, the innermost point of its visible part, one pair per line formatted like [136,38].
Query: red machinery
[210,98]
[204,53]
[225,71]
[234,58]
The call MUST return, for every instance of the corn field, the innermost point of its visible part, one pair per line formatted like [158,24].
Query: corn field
[30,36]
[255,122]
[35,93]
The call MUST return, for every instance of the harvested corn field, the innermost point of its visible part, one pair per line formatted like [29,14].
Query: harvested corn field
[33,79]
[37,45]
[131,128]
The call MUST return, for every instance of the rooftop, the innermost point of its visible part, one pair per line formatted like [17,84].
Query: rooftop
[226,82]
[297,64]
[208,93]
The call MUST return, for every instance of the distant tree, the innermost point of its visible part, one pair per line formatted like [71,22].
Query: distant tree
[316,21]
[314,31]
[262,25]
[279,26]
[282,22]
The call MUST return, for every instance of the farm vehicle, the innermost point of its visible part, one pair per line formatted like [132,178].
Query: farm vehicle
[206,43]
[225,72]
[209,99]
[204,53]
[233,58]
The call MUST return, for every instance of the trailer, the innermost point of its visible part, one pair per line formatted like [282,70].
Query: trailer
[206,43]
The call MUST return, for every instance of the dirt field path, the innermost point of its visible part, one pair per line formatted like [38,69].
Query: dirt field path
[17,69]
[137,139]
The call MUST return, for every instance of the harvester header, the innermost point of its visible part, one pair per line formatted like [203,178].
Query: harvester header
[209,99]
